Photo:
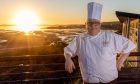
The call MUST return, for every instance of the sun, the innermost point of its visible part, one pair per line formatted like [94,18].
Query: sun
[26,21]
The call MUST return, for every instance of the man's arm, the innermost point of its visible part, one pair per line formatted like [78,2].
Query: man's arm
[69,52]
[123,46]
[121,60]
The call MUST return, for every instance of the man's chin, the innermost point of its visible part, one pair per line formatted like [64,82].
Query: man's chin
[93,29]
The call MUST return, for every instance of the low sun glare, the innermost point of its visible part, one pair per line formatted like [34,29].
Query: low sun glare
[26,21]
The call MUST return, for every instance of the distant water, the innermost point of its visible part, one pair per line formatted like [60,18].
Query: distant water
[64,34]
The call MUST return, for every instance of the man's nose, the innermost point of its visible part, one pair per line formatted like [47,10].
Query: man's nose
[93,26]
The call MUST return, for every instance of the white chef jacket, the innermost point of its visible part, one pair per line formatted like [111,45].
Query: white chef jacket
[97,54]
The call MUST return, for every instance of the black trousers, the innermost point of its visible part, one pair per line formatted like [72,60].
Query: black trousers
[112,82]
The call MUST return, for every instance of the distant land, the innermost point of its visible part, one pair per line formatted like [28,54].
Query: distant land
[115,25]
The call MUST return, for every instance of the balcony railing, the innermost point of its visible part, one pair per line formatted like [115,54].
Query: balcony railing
[26,73]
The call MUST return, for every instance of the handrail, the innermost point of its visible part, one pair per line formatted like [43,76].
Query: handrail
[30,65]
[131,54]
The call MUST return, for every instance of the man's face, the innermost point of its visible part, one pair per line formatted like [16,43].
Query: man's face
[93,25]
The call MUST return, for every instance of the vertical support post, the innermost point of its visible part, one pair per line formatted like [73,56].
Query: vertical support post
[21,73]
[128,29]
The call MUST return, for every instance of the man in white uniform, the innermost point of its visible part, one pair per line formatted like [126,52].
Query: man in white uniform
[97,50]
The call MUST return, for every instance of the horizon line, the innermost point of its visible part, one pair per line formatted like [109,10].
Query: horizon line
[50,24]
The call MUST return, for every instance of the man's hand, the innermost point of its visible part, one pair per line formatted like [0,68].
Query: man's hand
[119,66]
[69,65]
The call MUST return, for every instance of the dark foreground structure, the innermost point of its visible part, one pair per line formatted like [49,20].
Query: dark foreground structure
[131,26]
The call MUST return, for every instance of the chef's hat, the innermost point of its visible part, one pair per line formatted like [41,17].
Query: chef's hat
[94,11]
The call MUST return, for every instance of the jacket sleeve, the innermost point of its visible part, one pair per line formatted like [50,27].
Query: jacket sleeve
[123,44]
[71,49]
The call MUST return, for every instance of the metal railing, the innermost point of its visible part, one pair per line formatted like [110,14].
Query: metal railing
[20,74]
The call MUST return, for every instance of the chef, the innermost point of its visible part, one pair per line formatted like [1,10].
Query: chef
[97,50]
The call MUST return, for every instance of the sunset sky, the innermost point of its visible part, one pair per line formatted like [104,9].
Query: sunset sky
[61,11]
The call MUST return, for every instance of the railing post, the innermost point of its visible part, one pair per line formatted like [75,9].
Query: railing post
[21,73]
